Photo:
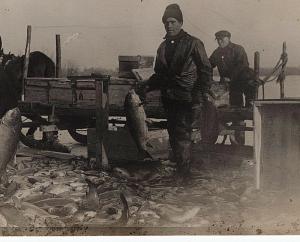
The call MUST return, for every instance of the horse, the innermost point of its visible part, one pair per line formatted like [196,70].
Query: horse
[40,65]
[11,76]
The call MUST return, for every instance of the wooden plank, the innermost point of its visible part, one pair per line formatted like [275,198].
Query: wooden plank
[58,56]
[282,79]
[280,142]
[26,61]
[257,143]
[36,94]
[47,78]
[105,107]
[85,97]
[57,155]
[293,150]
[277,101]
[257,71]
[101,157]
[60,96]
[85,84]
[36,82]
[60,83]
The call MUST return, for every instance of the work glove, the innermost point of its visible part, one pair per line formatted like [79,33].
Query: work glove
[141,90]
[255,83]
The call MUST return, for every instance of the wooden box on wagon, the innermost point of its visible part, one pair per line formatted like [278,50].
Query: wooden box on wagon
[277,144]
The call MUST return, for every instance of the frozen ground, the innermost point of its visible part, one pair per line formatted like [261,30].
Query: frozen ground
[219,197]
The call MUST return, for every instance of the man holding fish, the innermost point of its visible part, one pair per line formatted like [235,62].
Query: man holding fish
[182,73]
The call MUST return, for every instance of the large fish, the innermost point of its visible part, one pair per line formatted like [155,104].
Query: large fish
[136,122]
[10,128]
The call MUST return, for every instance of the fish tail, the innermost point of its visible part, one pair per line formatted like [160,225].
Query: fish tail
[125,212]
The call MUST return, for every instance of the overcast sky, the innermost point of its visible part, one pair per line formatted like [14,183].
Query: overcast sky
[95,32]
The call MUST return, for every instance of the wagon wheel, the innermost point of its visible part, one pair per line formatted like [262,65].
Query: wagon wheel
[79,135]
[210,124]
[30,137]
[34,139]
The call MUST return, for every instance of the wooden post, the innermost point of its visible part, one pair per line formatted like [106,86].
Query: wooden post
[101,122]
[282,78]
[257,143]
[26,60]
[58,57]
[257,71]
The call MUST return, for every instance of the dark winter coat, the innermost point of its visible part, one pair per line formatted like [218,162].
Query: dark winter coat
[182,72]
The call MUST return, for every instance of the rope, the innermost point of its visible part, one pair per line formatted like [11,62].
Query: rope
[278,72]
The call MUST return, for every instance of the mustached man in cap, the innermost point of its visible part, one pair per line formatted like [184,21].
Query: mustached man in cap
[182,73]
[233,66]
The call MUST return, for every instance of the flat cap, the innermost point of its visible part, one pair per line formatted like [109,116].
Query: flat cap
[221,34]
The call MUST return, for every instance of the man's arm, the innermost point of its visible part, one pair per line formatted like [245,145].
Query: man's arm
[204,71]
[154,82]
[241,62]
[213,60]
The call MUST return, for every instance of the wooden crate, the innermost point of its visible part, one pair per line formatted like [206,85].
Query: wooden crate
[127,63]
[48,90]
[277,144]
[85,92]
[36,94]
[60,92]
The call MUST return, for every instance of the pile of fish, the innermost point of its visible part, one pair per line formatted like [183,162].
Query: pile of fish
[219,197]
[47,192]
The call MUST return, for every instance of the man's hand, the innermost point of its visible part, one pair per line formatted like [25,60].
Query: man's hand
[141,89]
[209,95]
[254,83]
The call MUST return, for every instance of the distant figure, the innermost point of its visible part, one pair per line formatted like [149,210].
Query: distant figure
[183,74]
[4,58]
[233,66]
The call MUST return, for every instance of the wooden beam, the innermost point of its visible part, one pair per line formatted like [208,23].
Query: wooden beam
[282,78]
[101,122]
[26,60]
[58,57]
[257,144]
[257,71]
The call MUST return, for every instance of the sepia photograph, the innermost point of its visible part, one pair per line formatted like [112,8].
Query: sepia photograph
[149,117]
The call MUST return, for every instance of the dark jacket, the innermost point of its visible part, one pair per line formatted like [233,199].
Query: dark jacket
[231,61]
[188,74]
